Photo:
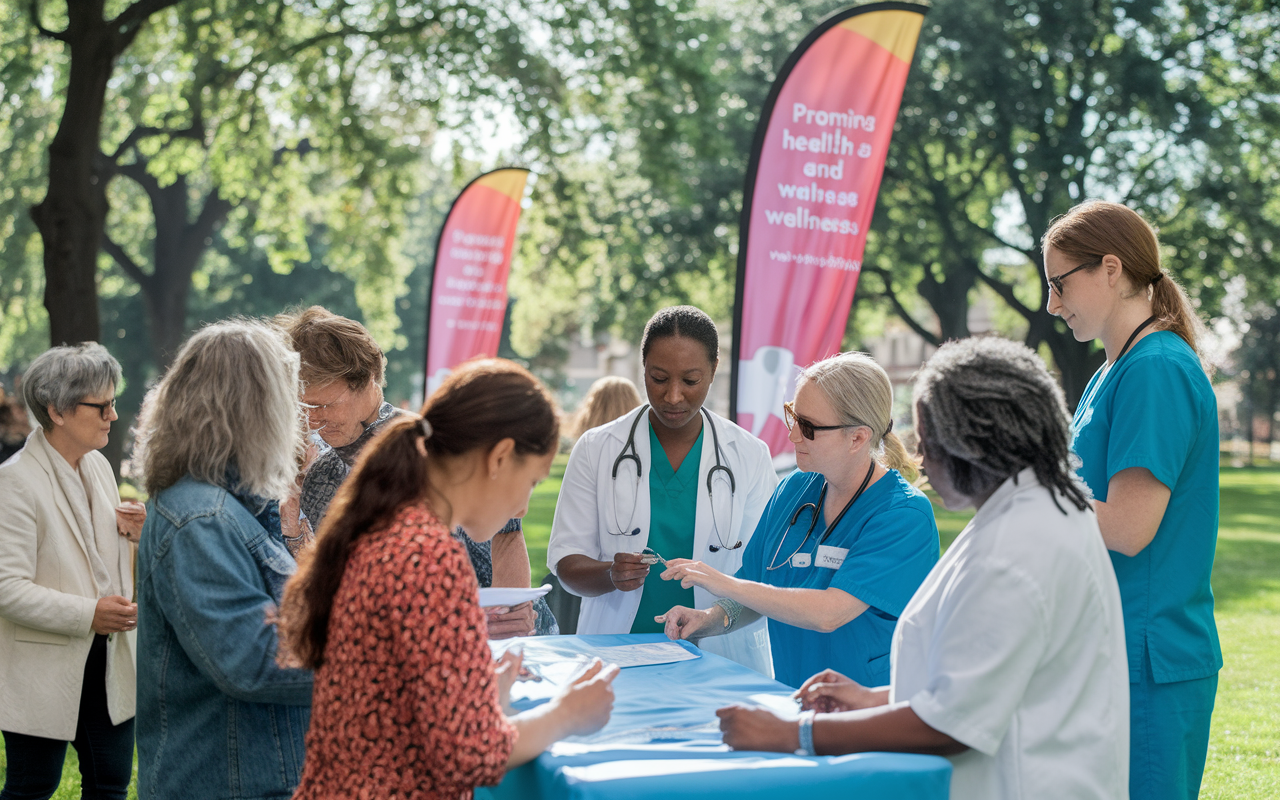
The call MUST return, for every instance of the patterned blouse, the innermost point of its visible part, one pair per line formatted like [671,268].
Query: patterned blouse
[406,702]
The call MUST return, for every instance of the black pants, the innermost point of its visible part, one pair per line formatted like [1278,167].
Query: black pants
[34,767]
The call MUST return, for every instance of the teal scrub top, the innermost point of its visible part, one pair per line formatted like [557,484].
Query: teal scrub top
[892,543]
[673,504]
[1155,408]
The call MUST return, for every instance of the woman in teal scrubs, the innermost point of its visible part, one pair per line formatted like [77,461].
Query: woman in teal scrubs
[1146,432]
[842,545]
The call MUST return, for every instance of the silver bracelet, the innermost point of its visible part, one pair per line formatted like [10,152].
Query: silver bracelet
[732,610]
[806,734]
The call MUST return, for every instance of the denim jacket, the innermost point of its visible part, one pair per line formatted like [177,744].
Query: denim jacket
[217,718]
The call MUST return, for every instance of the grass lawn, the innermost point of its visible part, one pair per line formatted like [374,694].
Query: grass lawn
[1244,748]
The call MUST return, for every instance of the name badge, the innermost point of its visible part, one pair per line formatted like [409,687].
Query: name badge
[831,557]
[800,560]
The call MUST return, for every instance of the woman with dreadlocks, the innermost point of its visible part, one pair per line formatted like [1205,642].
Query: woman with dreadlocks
[1146,432]
[1009,659]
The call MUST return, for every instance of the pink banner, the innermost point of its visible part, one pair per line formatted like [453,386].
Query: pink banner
[468,298]
[810,196]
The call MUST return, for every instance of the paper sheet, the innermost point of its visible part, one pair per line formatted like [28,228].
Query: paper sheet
[506,596]
[641,655]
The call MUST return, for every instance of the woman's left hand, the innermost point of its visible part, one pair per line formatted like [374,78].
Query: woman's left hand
[695,573]
[751,728]
[130,515]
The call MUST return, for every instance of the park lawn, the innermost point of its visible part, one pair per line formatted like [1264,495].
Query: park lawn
[1244,745]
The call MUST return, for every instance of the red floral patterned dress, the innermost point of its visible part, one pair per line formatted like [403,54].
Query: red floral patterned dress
[406,702]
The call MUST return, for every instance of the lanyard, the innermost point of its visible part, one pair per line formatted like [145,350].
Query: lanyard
[1097,387]
[817,509]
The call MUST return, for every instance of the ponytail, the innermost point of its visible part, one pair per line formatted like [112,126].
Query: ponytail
[896,457]
[1174,312]
[480,404]
[390,474]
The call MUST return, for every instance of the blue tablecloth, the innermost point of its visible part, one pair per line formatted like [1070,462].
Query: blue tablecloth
[664,739]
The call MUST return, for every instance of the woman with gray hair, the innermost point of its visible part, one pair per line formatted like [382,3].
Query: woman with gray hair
[221,435]
[66,659]
[843,543]
[1010,658]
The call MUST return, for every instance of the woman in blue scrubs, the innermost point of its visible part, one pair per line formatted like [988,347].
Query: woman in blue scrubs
[1146,432]
[842,544]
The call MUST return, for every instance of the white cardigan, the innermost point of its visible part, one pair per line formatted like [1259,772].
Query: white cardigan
[48,595]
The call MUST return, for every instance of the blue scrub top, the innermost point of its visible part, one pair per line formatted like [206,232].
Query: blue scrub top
[1156,409]
[892,541]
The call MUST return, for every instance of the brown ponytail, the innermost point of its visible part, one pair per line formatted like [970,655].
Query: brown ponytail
[479,405]
[1096,228]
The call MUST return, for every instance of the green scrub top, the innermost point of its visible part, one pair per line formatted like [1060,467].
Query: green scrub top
[673,503]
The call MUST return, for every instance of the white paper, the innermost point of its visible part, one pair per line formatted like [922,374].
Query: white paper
[506,596]
[641,655]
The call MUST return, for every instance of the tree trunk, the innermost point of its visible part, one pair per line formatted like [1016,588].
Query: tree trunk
[73,214]
[949,298]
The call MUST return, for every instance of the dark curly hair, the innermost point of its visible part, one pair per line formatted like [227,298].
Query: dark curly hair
[990,409]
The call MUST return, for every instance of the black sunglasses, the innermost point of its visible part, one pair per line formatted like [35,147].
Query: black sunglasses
[1056,280]
[807,428]
[103,408]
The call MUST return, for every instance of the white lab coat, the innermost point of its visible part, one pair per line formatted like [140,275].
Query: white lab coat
[585,515]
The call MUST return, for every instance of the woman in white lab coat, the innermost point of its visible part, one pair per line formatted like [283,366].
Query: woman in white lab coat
[669,480]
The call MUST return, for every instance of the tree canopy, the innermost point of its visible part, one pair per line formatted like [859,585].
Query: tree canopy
[237,140]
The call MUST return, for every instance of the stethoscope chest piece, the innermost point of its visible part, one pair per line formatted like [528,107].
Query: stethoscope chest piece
[801,560]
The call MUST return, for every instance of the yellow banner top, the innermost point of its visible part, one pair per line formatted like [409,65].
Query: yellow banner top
[895,31]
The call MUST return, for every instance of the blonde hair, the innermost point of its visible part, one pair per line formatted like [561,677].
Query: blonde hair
[229,398]
[609,398]
[1096,228]
[860,392]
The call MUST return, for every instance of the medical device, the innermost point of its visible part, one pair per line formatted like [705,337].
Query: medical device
[629,453]
[815,509]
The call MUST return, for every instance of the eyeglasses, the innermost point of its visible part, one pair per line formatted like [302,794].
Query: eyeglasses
[104,409]
[342,398]
[1056,280]
[807,428]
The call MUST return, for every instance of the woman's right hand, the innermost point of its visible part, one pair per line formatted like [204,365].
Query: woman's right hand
[829,692]
[587,702]
[628,571]
[690,623]
[114,614]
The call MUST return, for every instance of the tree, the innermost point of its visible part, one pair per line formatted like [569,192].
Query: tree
[301,115]
[1017,110]
[639,207]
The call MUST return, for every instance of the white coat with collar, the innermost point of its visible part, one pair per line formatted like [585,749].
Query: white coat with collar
[48,595]
[585,515]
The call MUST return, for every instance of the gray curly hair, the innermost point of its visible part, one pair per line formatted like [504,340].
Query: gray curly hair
[989,409]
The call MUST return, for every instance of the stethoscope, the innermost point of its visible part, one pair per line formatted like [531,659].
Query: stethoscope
[816,509]
[629,453]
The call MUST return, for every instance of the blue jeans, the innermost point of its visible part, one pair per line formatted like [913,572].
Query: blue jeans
[105,750]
